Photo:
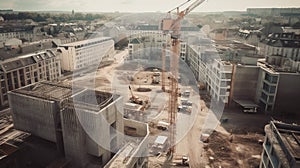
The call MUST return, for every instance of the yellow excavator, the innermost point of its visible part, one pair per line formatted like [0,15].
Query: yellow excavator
[135,99]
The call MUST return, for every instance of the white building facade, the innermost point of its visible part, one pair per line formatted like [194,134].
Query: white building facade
[218,76]
[82,54]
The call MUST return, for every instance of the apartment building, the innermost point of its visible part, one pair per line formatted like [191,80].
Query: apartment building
[149,36]
[20,35]
[282,50]
[277,89]
[83,54]
[198,54]
[281,146]
[218,79]
[147,40]
[279,73]
[23,70]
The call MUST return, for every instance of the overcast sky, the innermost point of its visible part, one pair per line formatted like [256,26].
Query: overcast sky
[139,5]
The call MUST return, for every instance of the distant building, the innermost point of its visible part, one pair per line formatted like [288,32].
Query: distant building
[24,30]
[273,11]
[250,36]
[23,70]
[82,54]
[281,146]
[140,41]
[6,11]
[222,34]
[12,44]
[151,37]
[116,32]
[283,50]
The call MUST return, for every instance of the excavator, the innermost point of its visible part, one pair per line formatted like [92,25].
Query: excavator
[136,100]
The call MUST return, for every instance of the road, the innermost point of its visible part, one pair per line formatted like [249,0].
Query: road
[191,144]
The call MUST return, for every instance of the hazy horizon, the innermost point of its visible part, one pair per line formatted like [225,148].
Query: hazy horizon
[137,6]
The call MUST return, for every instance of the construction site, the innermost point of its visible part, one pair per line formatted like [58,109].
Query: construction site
[140,111]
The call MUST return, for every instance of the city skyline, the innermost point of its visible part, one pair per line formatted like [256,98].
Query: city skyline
[141,6]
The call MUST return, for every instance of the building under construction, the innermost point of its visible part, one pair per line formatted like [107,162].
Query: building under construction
[281,147]
[86,126]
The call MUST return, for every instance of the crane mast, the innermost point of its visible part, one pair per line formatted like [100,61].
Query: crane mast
[173,26]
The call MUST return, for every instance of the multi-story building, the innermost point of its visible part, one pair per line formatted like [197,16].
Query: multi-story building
[141,41]
[86,126]
[150,36]
[197,56]
[279,73]
[283,50]
[244,83]
[21,30]
[27,69]
[83,54]
[281,146]
[218,79]
[277,89]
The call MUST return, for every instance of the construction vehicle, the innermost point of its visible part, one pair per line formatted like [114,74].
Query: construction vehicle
[136,100]
[173,26]
[162,125]
[156,78]
[180,160]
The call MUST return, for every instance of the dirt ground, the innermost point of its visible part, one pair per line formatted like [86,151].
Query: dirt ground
[234,150]
[237,142]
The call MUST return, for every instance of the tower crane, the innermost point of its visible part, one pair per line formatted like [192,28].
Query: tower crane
[172,26]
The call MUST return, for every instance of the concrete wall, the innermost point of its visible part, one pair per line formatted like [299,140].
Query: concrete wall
[87,134]
[140,156]
[249,60]
[74,139]
[261,77]
[288,94]
[141,128]
[66,55]
[245,82]
[34,115]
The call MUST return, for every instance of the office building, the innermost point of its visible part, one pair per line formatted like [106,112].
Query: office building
[83,54]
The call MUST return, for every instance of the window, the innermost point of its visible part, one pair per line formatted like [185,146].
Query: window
[264,96]
[271,99]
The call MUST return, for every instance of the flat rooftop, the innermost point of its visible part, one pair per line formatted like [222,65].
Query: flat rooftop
[48,91]
[272,68]
[92,99]
[236,44]
[84,42]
